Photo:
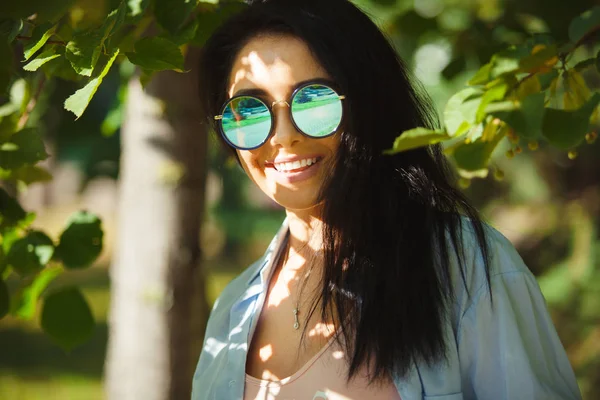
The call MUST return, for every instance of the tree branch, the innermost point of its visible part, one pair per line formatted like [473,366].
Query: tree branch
[587,36]
[20,37]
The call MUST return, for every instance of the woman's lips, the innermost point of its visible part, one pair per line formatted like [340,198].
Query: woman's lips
[293,176]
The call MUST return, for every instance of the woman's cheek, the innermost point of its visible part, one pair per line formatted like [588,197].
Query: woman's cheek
[251,165]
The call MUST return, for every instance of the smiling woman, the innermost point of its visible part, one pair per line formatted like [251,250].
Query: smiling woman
[383,282]
[287,155]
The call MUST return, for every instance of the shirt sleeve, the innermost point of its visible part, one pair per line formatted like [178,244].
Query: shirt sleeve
[509,349]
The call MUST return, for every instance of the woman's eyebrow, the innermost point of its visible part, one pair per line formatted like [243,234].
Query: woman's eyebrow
[307,81]
[257,92]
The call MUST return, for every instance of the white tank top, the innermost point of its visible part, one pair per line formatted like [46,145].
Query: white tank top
[322,378]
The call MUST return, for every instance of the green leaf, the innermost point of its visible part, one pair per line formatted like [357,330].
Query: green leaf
[460,111]
[210,18]
[528,86]
[527,120]
[506,61]
[19,97]
[547,78]
[67,318]
[535,54]
[81,243]
[61,67]
[20,94]
[546,57]
[42,59]
[567,129]
[136,7]
[84,50]
[598,61]
[4,299]
[112,121]
[9,236]
[581,65]
[30,253]
[417,137]
[185,34]
[10,28]
[16,29]
[172,14]
[27,174]
[385,3]
[8,125]
[39,37]
[114,117]
[114,21]
[10,112]
[78,101]
[24,147]
[156,54]
[208,21]
[11,211]
[25,303]
[584,23]
[495,93]
[475,156]
[482,76]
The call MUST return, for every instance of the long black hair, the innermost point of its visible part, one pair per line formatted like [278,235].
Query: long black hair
[391,222]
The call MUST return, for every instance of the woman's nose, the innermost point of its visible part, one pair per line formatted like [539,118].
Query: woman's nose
[284,132]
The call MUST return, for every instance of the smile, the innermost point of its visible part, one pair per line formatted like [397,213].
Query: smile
[295,166]
[290,172]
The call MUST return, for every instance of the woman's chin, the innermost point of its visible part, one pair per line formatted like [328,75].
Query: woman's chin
[298,203]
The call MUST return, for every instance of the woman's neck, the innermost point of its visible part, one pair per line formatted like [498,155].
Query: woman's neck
[306,232]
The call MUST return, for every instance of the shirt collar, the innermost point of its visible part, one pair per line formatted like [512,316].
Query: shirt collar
[264,265]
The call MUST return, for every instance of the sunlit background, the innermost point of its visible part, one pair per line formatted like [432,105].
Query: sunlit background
[547,204]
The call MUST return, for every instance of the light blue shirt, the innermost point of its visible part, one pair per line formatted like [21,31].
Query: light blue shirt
[506,352]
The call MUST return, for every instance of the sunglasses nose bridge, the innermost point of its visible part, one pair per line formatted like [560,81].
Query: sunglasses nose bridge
[280,102]
[284,132]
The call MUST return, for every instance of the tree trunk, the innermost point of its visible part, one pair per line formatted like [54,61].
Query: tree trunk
[158,305]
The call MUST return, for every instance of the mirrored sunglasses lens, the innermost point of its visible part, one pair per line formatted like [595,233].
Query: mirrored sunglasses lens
[317,110]
[246,122]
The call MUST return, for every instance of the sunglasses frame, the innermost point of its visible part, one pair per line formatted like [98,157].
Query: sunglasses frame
[325,82]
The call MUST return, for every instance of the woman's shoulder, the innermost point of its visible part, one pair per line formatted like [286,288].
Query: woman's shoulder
[505,318]
[472,277]
[503,255]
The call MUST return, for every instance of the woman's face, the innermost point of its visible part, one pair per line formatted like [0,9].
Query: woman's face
[276,65]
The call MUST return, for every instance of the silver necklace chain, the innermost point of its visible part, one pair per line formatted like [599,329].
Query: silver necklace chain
[296,310]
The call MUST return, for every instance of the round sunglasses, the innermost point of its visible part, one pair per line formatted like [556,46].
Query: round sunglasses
[316,110]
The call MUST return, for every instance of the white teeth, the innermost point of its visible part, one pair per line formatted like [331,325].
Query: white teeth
[288,166]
